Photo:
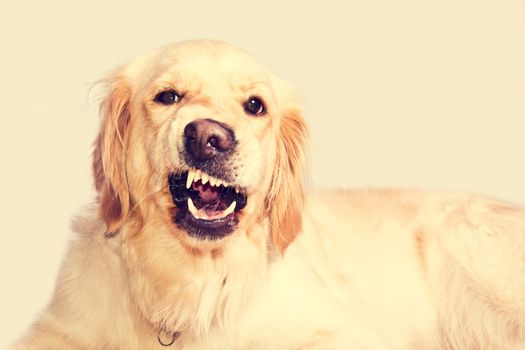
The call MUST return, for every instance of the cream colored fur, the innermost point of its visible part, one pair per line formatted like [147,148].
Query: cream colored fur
[382,269]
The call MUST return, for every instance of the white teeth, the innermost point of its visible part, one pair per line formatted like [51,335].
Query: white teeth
[196,175]
[230,209]
[191,207]
[204,178]
[191,176]
[200,214]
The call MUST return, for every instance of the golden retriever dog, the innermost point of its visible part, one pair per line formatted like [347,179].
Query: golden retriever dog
[202,236]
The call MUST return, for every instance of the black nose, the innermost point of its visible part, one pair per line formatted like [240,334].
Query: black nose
[206,138]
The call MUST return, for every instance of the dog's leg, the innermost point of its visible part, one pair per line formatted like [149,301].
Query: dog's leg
[481,283]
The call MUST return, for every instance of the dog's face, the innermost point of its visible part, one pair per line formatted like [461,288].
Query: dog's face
[203,136]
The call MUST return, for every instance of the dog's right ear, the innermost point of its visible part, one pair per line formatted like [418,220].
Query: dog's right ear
[109,156]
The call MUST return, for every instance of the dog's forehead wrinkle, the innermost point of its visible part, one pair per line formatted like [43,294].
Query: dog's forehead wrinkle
[199,56]
[220,63]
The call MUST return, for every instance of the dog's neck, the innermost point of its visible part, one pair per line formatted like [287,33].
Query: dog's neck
[191,292]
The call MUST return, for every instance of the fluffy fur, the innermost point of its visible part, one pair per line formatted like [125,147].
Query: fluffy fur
[333,270]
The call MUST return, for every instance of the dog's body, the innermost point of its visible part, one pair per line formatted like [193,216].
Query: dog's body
[157,263]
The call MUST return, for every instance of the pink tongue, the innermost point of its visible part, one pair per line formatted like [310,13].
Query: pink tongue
[207,193]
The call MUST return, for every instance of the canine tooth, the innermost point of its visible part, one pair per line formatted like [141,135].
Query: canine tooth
[191,207]
[230,209]
[204,178]
[191,176]
[218,183]
[198,176]
[213,182]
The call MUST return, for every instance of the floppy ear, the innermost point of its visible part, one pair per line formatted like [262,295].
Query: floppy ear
[286,198]
[109,156]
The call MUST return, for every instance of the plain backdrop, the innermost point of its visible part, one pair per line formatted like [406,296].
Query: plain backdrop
[425,94]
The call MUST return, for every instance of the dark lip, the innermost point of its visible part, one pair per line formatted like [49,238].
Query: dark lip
[202,229]
[215,166]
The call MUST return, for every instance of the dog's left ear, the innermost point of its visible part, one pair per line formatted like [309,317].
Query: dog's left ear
[285,200]
[109,156]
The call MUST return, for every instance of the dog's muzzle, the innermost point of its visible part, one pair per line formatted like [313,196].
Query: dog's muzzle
[206,195]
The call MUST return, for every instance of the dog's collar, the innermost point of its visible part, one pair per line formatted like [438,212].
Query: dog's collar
[167,338]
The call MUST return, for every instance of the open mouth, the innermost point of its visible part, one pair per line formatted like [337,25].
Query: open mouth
[208,206]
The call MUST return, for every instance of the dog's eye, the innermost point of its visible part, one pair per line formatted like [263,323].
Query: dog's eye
[167,97]
[254,106]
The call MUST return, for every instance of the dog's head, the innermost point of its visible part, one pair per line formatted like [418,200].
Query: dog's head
[203,136]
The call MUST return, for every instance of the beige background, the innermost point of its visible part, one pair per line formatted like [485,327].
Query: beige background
[399,93]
